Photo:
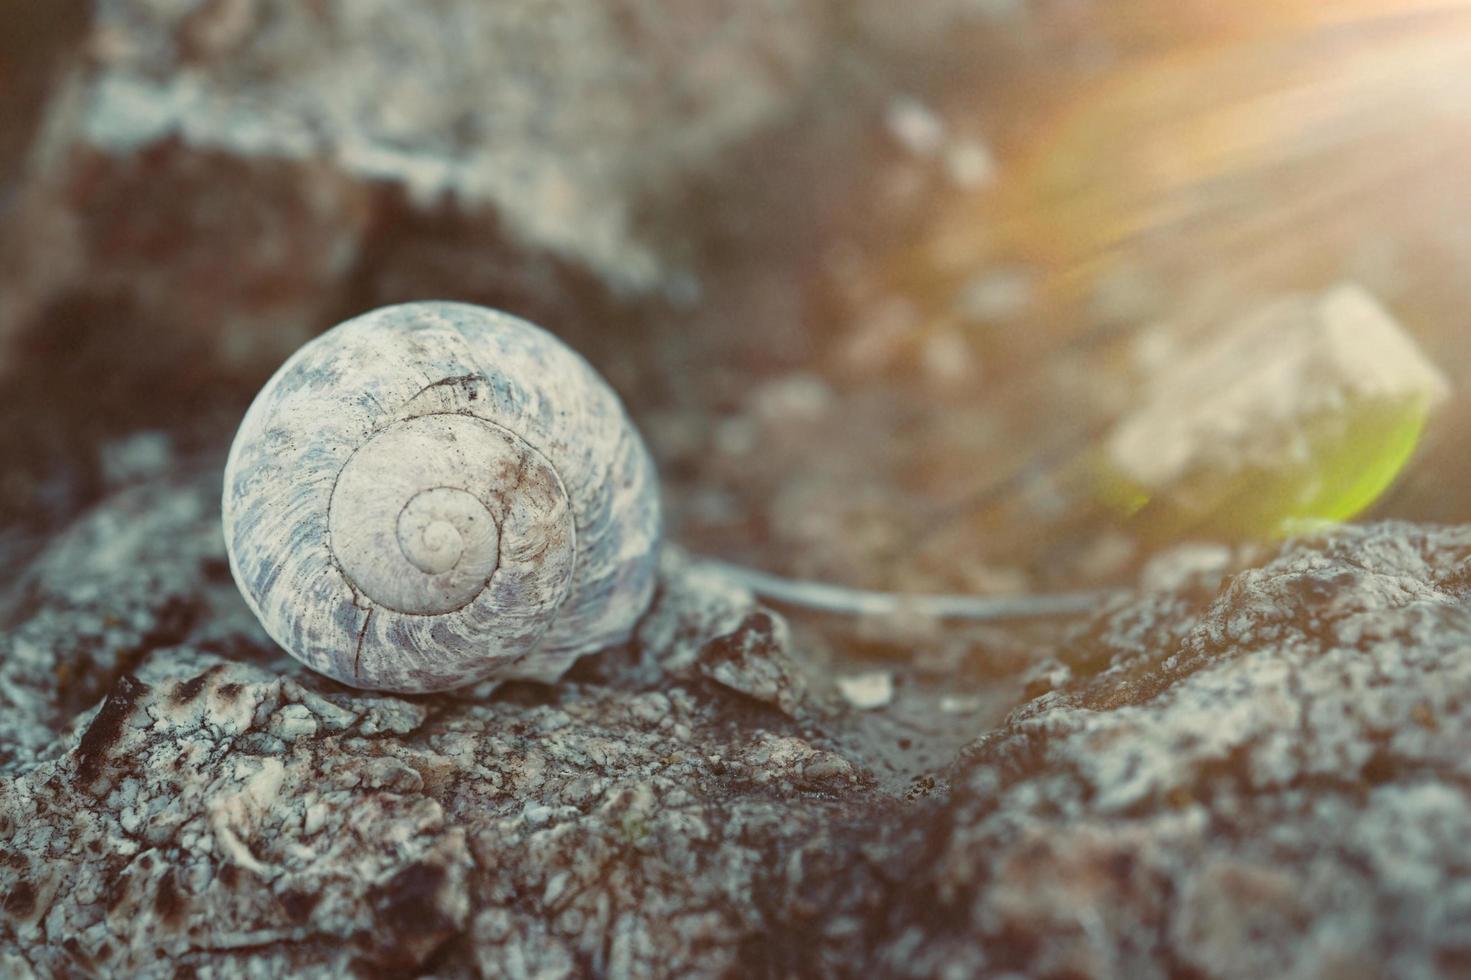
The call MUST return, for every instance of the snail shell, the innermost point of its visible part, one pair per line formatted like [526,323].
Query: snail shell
[434,494]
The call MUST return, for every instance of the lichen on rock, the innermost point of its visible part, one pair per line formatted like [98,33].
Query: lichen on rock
[1264,780]
[223,809]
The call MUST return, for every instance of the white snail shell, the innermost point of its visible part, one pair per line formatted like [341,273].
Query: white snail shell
[434,494]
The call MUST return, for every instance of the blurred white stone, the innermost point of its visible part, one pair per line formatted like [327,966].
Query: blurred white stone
[1243,399]
[969,163]
[998,295]
[956,704]
[1192,564]
[948,360]
[915,127]
[796,397]
[136,457]
[736,436]
[867,691]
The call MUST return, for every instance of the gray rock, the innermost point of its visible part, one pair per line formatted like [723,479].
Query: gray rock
[1267,781]
[140,573]
[228,167]
[752,660]
[556,115]
[1274,785]
[224,810]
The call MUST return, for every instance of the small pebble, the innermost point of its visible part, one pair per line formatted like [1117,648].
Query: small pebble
[137,457]
[915,127]
[969,164]
[874,689]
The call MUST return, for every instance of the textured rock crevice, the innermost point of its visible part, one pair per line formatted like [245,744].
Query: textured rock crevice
[237,812]
[1272,784]
[1280,794]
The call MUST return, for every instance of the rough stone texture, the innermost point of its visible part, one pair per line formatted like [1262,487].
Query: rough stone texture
[579,104]
[227,166]
[1273,785]
[1268,780]
[1248,776]
[225,810]
[752,660]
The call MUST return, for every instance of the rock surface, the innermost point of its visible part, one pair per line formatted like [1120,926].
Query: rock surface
[1273,784]
[1270,780]
[226,811]
[1232,775]
[234,172]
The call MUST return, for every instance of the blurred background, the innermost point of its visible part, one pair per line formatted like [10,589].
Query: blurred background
[962,295]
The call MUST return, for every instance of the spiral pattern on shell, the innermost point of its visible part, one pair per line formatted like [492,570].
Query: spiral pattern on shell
[434,494]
